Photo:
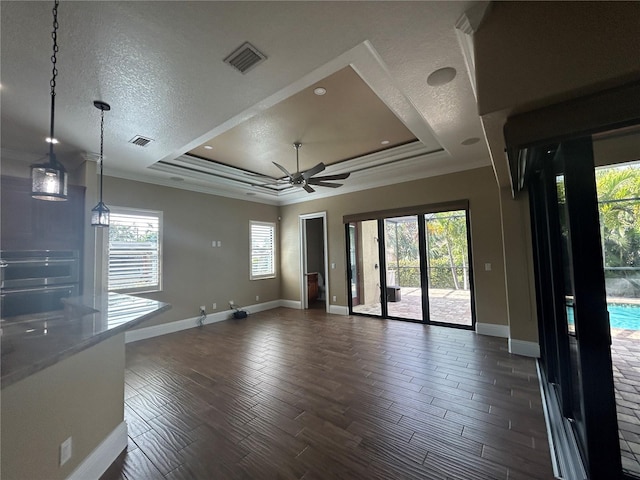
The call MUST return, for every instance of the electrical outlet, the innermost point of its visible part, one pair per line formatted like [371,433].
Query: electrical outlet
[66,450]
[231,304]
[257,298]
[214,306]
[333,299]
[203,308]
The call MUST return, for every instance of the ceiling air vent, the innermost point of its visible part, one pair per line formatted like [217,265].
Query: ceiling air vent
[140,141]
[245,57]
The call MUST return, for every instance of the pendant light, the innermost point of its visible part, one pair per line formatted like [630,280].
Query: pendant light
[49,180]
[100,213]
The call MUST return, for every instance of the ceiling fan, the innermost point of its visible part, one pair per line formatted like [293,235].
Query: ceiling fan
[306,178]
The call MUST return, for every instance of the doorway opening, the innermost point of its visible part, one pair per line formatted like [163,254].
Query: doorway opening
[314,286]
[618,190]
[585,204]
[413,267]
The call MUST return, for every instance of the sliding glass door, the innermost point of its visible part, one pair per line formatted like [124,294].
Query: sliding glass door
[448,279]
[364,271]
[403,271]
[572,302]
[579,164]
[412,267]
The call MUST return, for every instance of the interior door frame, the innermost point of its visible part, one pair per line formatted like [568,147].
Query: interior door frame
[350,271]
[304,296]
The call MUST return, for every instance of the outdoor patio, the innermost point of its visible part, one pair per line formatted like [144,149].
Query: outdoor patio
[446,306]
[625,355]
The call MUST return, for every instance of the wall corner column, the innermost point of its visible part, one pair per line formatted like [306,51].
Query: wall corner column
[519,274]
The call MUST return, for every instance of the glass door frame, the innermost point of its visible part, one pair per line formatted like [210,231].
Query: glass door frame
[527,137]
[419,212]
[596,434]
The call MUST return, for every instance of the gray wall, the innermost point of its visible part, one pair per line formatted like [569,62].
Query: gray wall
[478,186]
[194,272]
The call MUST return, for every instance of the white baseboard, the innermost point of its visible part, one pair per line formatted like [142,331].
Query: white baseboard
[178,325]
[296,304]
[172,327]
[522,347]
[338,310]
[261,307]
[492,330]
[103,456]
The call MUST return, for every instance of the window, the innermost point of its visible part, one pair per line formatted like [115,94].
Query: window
[263,250]
[135,241]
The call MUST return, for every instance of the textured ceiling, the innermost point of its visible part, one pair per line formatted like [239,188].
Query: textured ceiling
[160,67]
[348,121]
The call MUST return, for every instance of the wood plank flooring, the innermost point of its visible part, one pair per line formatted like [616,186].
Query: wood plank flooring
[293,394]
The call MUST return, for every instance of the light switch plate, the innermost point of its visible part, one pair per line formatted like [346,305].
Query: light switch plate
[66,451]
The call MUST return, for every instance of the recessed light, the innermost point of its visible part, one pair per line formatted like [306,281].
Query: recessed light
[208,147]
[470,141]
[319,91]
[384,142]
[441,76]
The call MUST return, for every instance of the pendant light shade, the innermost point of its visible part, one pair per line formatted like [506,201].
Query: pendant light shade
[100,213]
[49,180]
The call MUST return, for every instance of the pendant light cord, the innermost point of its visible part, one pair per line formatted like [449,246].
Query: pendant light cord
[54,72]
[101,148]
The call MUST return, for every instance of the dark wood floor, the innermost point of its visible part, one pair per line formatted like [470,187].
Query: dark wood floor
[306,395]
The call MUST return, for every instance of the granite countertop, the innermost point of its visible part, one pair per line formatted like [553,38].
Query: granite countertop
[31,343]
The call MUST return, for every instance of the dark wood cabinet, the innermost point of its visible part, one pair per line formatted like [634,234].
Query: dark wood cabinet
[30,224]
[312,287]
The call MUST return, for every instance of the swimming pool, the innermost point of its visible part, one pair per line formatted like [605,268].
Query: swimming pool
[621,315]
[625,316]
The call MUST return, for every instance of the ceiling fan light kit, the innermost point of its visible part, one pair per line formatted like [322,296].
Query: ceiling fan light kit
[306,178]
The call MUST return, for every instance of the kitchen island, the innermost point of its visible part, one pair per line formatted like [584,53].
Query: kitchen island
[63,377]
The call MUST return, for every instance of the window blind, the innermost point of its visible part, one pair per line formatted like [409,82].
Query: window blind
[262,250]
[134,251]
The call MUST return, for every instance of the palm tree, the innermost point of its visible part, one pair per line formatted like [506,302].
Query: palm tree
[619,204]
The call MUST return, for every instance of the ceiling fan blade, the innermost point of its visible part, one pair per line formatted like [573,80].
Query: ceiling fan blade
[313,170]
[283,169]
[308,188]
[320,183]
[338,176]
